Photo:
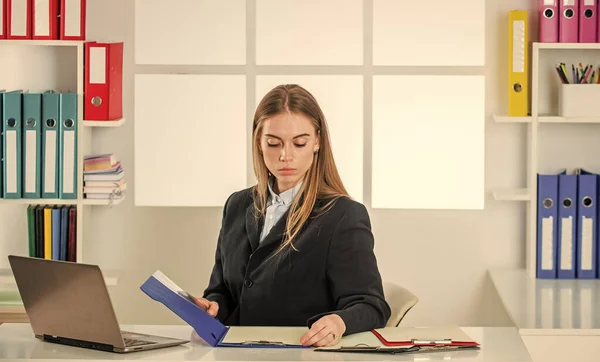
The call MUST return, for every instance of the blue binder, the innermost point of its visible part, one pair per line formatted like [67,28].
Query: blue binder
[587,224]
[547,225]
[11,139]
[56,232]
[1,144]
[32,145]
[210,329]
[567,226]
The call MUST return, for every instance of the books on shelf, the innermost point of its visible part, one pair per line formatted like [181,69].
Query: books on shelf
[52,232]
[103,177]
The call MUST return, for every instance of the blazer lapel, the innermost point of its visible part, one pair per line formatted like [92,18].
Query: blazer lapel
[275,235]
[252,227]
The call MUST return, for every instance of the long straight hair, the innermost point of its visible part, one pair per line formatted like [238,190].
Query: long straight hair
[321,181]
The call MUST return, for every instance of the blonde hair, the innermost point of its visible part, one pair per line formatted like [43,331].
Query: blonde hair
[321,181]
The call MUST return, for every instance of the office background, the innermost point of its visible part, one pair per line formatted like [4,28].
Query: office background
[443,230]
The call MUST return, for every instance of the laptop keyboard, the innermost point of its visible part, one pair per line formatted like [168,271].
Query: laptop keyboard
[130,342]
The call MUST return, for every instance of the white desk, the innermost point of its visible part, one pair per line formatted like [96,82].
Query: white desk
[17,343]
[559,319]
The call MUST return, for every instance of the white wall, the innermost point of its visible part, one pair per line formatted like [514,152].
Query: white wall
[441,255]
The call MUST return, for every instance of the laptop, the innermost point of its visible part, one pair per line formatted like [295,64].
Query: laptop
[68,303]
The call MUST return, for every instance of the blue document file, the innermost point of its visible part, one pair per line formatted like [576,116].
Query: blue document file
[12,143]
[587,224]
[547,226]
[160,288]
[32,145]
[567,225]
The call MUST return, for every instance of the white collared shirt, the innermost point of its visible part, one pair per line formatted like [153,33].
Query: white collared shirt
[277,205]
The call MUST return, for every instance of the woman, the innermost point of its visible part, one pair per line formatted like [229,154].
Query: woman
[294,249]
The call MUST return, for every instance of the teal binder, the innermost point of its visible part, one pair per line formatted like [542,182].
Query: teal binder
[68,146]
[11,143]
[32,145]
[50,141]
[1,143]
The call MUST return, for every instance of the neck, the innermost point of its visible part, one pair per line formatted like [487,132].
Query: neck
[280,186]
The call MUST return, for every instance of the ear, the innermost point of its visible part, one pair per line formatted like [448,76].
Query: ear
[317,142]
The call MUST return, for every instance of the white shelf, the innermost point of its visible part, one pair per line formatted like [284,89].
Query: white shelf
[63,43]
[115,123]
[511,194]
[7,280]
[548,306]
[38,202]
[546,119]
[102,202]
[575,120]
[567,46]
[508,119]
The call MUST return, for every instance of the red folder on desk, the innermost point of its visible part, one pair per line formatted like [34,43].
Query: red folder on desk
[424,337]
[103,87]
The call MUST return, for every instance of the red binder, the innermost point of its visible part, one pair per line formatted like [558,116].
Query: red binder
[2,19]
[18,19]
[45,19]
[419,341]
[103,87]
[72,19]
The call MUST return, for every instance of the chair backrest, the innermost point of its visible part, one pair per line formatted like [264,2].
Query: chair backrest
[400,299]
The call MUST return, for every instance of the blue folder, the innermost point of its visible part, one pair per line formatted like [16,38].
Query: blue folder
[567,226]
[210,329]
[587,224]
[547,225]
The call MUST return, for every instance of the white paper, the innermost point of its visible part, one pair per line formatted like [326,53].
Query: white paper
[586,243]
[11,161]
[42,18]
[547,241]
[98,65]
[285,335]
[401,334]
[566,240]
[68,162]
[30,160]
[19,18]
[50,162]
[72,16]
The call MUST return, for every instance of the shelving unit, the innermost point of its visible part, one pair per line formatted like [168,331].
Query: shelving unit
[60,53]
[543,114]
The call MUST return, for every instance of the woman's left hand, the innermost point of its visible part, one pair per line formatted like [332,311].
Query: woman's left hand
[327,331]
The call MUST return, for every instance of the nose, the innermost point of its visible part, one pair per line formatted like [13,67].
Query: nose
[285,154]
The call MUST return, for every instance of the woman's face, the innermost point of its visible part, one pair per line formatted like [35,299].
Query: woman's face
[288,143]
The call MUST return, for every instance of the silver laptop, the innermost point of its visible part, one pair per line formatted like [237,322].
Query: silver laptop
[68,303]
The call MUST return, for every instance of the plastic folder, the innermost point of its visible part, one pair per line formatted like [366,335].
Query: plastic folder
[160,288]
[395,340]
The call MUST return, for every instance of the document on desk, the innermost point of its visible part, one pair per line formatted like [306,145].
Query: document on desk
[247,335]
[405,340]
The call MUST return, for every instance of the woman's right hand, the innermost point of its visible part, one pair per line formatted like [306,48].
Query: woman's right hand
[212,308]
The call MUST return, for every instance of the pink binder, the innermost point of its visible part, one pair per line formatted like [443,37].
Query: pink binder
[568,24]
[548,21]
[588,21]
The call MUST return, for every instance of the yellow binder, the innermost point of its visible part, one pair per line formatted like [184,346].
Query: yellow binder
[48,232]
[518,58]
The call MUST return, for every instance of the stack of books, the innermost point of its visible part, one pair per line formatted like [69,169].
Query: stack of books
[103,177]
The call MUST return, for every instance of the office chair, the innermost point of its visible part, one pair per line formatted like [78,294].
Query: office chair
[400,299]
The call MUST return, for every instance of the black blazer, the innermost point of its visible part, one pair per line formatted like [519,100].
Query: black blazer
[333,271]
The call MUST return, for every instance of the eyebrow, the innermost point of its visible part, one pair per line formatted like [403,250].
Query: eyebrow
[279,138]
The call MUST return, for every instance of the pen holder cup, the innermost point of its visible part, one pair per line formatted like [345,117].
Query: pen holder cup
[579,100]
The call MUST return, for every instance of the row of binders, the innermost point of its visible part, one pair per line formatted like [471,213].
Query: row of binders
[38,145]
[43,19]
[567,242]
[569,21]
[52,232]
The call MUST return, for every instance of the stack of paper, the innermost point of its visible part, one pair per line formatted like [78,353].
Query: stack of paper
[103,177]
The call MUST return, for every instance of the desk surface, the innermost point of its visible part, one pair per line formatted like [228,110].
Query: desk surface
[17,343]
[549,306]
